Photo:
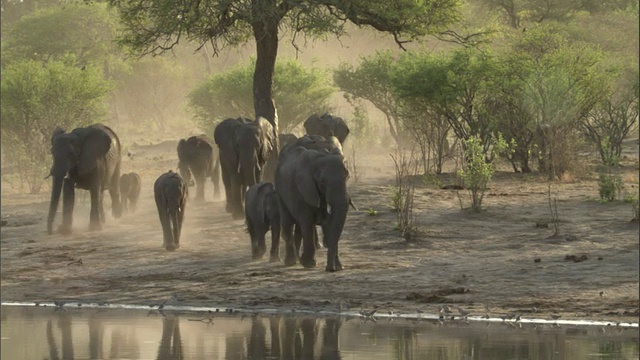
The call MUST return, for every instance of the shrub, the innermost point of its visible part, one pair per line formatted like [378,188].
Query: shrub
[477,172]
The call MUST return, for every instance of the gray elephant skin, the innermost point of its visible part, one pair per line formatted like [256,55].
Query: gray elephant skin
[171,193]
[244,147]
[311,186]
[130,186]
[198,156]
[286,139]
[86,158]
[327,125]
[262,214]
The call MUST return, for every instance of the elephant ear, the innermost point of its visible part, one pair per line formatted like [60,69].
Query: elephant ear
[310,125]
[267,135]
[340,129]
[56,132]
[94,145]
[305,182]
[182,149]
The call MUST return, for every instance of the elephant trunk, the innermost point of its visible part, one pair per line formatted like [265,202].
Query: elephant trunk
[337,208]
[249,168]
[56,190]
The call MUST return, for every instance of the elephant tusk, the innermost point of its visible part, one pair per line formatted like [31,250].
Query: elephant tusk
[353,205]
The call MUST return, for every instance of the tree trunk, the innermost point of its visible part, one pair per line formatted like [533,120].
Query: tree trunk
[265,32]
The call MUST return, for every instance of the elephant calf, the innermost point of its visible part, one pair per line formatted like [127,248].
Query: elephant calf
[171,193]
[130,185]
[262,214]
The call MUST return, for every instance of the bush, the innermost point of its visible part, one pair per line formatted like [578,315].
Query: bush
[610,183]
[402,195]
[477,172]
[36,98]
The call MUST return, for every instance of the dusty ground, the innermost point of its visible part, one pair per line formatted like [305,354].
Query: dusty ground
[490,256]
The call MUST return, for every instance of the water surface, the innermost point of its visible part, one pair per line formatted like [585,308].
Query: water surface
[81,333]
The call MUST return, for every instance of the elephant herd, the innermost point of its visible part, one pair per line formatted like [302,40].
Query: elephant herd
[308,189]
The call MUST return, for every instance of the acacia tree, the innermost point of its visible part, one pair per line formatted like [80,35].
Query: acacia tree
[155,26]
[456,85]
[612,119]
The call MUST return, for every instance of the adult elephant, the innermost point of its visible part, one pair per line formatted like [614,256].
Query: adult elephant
[86,158]
[312,190]
[327,125]
[324,145]
[244,148]
[198,157]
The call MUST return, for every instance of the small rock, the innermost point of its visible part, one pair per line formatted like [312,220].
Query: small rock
[537,260]
[600,258]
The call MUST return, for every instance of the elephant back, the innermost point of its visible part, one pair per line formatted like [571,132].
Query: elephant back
[318,143]
[195,147]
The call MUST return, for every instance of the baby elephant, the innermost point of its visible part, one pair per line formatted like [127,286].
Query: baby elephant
[262,214]
[130,185]
[171,194]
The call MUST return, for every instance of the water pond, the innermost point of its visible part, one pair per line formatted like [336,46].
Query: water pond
[105,333]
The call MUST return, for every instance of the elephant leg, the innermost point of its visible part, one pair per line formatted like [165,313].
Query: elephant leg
[316,240]
[123,203]
[94,214]
[163,214]
[226,181]
[333,260]
[275,242]
[68,201]
[237,198]
[180,220]
[297,238]
[175,222]
[215,178]
[308,258]
[199,187]
[286,230]
[114,192]
[251,228]
[262,247]
[101,207]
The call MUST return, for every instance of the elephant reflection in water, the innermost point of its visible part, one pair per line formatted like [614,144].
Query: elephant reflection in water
[171,342]
[291,338]
[124,345]
[64,323]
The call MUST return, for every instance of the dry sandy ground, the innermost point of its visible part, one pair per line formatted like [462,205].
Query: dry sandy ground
[488,255]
